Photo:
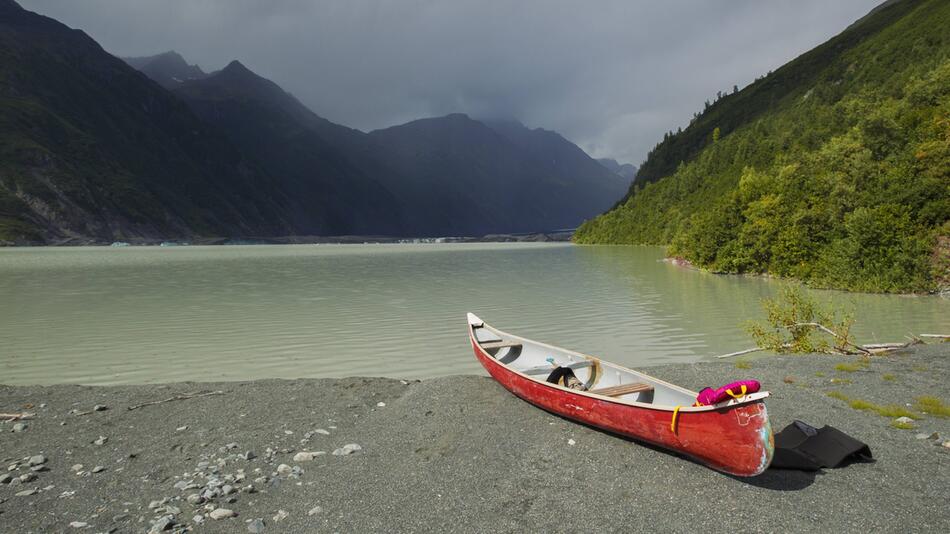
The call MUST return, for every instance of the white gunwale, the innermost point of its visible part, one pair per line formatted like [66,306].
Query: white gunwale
[474,321]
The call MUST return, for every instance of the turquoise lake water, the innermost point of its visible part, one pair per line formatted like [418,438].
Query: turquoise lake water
[97,315]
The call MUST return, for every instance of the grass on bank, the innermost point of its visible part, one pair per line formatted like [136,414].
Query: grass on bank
[890,410]
[932,406]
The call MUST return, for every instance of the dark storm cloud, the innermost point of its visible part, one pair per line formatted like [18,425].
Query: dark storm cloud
[611,76]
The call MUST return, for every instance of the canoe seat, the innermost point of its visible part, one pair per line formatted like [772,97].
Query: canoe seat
[622,389]
[546,369]
[499,344]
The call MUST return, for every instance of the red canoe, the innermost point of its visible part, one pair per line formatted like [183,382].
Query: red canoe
[734,436]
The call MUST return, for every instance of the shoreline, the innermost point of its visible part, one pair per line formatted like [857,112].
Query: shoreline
[526,237]
[456,453]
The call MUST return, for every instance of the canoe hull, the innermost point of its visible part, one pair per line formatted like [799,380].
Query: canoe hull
[733,439]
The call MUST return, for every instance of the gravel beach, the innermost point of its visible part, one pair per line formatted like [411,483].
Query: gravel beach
[456,454]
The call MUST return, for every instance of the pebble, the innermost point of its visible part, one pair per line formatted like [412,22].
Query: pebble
[198,519]
[162,524]
[195,499]
[100,408]
[79,524]
[315,510]
[98,469]
[571,442]
[221,513]
[349,448]
[380,404]
[77,467]
[280,515]
[284,469]
[181,428]
[20,427]
[101,441]
[249,455]
[39,459]
[26,493]
[27,477]
[6,478]
[321,431]
[904,421]
[946,444]
[256,526]
[306,456]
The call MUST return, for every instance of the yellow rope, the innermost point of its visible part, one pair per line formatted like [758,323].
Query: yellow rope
[739,396]
[676,412]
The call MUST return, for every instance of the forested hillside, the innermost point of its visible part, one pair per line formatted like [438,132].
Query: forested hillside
[834,169]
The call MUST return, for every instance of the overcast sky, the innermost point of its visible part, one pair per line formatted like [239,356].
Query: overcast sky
[612,76]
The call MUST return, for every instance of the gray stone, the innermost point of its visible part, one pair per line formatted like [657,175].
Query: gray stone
[79,524]
[166,522]
[256,526]
[98,469]
[39,459]
[315,510]
[101,440]
[227,489]
[347,449]
[76,467]
[195,499]
[20,427]
[904,421]
[304,457]
[221,513]
[27,477]
[100,408]
[284,469]
[26,493]
[280,515]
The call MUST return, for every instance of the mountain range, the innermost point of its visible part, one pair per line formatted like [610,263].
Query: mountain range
[95,147]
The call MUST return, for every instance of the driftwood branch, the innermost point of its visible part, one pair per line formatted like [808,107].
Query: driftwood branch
[741,352]
[16,416]
[177,398]
[832,333]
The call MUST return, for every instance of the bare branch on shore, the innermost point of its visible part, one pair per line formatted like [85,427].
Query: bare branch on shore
[867,350]
[177,398]
[832,333]
[741,352]
[16,416]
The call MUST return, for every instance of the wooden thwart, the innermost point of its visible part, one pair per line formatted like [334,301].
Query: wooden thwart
[500,344]
[622,389]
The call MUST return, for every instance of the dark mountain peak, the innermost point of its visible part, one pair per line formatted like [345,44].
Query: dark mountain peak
[169,69]
[627,170]
[457,117]
[9,6]
[235,67]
